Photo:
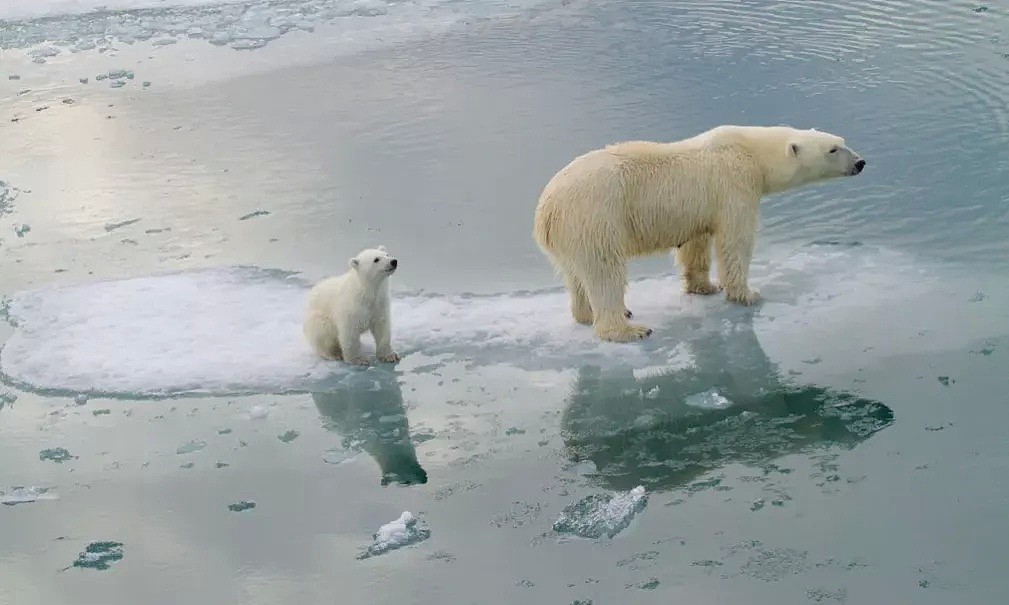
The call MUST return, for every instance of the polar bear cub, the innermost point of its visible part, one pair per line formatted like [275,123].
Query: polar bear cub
[342,308]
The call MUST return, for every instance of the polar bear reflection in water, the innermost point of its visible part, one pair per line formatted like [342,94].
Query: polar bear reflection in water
[366,409]
[645,430]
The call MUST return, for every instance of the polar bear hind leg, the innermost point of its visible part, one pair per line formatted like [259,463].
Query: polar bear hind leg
[605,284]
[694,258]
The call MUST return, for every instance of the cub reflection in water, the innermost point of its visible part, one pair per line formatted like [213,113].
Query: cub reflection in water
[730,406]
[366,409]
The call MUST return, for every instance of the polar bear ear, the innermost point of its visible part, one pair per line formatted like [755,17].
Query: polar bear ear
[382,248]
[793,149]
[354,263]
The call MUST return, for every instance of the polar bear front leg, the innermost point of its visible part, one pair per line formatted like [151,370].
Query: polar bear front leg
[605,285]
[694,258]
[734,241]
[381,330]
[350,343]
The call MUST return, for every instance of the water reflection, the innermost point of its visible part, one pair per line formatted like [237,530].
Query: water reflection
[664,429]
[366,409]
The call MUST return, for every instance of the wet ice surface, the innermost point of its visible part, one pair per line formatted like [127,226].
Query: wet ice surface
[23,495]
[599,515]
[405,530]
[194,332]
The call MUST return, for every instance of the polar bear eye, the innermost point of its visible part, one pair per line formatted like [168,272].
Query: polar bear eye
[833,150]
[376,260]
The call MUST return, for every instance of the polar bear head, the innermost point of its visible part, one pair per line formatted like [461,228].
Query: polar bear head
[794,157]
[374,264]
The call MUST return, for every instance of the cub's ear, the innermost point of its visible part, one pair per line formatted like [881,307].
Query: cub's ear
[382,248]
[353,263]
[793,149]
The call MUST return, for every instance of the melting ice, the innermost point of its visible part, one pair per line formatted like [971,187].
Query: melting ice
[238,330]
[599,515]
[404,531]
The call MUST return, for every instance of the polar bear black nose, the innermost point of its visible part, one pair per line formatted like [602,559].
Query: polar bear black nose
[859,165]
[395,262]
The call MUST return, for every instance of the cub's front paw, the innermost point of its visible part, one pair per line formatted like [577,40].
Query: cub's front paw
[390,357]
[358,361]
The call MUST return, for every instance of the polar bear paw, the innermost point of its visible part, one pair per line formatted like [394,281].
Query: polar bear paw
[704,288]
[359,361]
[626,333]
[390,357]
[746,298]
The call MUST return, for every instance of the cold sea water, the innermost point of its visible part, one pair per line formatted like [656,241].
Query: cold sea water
[174,174]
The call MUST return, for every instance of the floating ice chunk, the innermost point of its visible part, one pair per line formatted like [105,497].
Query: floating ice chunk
[21,495]
[242,505]
[708,400]
[599,515]
[22,229]
[258,412]
[99,555]
[338,456]
[192,446]
[117,84]
[404,531]
[56,454]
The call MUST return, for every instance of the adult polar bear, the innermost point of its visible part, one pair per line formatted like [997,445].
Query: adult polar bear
[640,197]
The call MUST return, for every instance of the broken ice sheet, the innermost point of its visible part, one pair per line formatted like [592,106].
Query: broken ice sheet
[404,531]
[21,495]
[599,515]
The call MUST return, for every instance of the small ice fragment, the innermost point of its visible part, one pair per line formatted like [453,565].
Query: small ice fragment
[165,42]
[56,454]
[288,436]
[652,392]
[21,495]
[978,297]
[338,456]
[404,531]
[241,506]
[221,465]
[22,229]
[258,412]
[119,74]
[514,431]
[83,80]
[13,77]
[117,84]
[708,400]
[101,412]
[192,446]
[224,432]
[114,226]
[98,555]
[147,83]
[187,465]
[81,399]
[254,215]
[101,77]
[600,515]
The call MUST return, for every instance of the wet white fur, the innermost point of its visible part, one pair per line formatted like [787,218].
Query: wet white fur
[342,308]
[639,197]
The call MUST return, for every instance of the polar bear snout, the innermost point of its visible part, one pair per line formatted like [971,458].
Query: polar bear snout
[392,265]
[857,168]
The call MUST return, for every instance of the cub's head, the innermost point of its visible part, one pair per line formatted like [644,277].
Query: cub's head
[374,264]
[816,156]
